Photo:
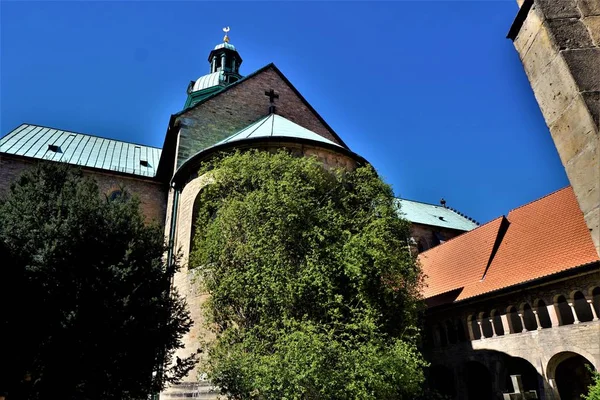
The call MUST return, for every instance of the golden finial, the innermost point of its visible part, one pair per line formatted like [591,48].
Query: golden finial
[226,38]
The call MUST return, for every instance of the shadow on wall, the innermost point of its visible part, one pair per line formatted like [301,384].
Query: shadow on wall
[485,375]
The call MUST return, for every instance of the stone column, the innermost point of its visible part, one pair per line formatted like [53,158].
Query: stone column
[574,313]
[213,64]
[480,329]
[493,327]
[553,315]
[223,62]
[537,320]
[505,325]
[522,322]
[591,303]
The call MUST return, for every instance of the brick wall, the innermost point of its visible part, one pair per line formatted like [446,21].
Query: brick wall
[238,107]
[152,195]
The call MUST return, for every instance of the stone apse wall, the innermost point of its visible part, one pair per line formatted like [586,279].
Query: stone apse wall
[531,332]
[558,42]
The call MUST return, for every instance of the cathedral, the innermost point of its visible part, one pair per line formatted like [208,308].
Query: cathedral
[513,305]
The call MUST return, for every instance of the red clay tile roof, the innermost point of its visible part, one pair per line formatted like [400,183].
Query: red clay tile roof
[544,237]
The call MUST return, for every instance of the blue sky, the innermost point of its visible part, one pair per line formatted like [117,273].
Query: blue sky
[431,93]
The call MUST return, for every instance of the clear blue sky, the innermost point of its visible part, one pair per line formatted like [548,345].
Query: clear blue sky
[431,93]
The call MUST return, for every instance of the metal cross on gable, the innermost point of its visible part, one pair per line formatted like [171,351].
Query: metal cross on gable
[272,96]
[519,394]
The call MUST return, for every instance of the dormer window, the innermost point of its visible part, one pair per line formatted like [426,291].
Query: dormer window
[144,163]
[54,148]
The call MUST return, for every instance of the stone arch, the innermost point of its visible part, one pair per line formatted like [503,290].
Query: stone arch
[530,377]
[529,322]
[185,214]
[441,379]
[569,372]
[479,382]
[582,307]
[563,310]
[474,331]
[461,335]
[542,311]
[451,332]
[595,297]
[497,322]
[442,334]
[514,321]
[486,326]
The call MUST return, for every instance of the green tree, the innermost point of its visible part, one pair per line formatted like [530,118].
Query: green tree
[594,389]
[86,289]
[313,291]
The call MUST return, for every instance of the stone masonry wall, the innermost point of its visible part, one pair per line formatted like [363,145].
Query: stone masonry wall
[238,107]
[559,46]
[152,195]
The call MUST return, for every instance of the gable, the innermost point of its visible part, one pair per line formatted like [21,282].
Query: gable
[239,105]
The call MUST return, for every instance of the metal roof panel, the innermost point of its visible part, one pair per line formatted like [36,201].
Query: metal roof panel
[33,141]
[434,215]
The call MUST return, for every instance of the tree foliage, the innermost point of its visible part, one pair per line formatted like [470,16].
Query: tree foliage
[313,291]
[86,293]
[594,388]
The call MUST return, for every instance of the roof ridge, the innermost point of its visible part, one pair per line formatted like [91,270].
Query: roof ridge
[441,206]
[462,234]
[79,133]
[540,198]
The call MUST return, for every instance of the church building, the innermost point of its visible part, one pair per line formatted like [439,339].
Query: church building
[496,293]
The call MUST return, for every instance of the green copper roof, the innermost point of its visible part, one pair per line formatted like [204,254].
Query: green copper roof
[433,215]
[80,149]
[225,46]
[275,125]
[208,80]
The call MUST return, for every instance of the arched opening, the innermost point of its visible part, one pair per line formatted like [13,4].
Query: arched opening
[564,311]
[542,311]
[596,300]
[442,335]
[441,379]
[529,318]
[479,381]
[529,375]
[474,327]
[486,325]
[497,323]
[460,331]
[582,308]
[451,330]
[514,320]
[571,374]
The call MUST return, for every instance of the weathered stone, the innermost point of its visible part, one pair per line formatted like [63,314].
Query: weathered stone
[573,130]
[553,9]
[570,33]
[593,25]
[584,175]
[592,220]
[540,54]
[529,30]
[592,100]
[554,90]
[585,68]
[589,7]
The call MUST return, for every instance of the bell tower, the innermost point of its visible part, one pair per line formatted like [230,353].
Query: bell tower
[225,64]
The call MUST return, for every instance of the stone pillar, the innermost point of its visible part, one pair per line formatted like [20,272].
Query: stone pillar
[505,325]
[223,62]
[470,329]
[574,313]
[537,320]
[522,322]
[480,330]
[558,42]
[213,64]
[591,303]
[493,327]
[553,315]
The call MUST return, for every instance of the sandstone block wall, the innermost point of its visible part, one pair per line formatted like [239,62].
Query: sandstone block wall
[559,46]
